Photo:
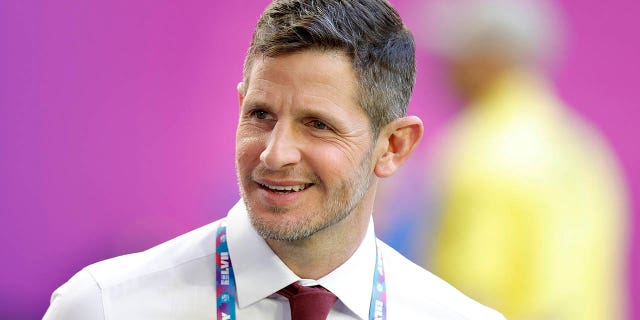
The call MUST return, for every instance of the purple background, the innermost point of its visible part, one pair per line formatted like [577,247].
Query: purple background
[117,124]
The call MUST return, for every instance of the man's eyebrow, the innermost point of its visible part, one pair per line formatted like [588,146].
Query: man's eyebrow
[320,114]
[256,104]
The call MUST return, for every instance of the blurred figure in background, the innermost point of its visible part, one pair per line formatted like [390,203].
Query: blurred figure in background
[532,209]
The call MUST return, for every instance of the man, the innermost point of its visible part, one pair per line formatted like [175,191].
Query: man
[532,208]
[322,118]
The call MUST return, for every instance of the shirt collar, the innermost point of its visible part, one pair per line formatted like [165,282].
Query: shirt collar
[352,282]
[259,272]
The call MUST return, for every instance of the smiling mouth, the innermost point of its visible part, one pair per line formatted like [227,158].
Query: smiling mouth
[285,189]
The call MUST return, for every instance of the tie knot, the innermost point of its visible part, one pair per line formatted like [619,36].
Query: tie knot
[308,303]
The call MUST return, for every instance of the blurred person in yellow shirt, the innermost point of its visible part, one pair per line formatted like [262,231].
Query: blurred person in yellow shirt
[532,208]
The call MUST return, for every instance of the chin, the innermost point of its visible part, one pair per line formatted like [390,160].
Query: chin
[274,228]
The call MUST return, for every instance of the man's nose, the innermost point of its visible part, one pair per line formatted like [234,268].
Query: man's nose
[282,147]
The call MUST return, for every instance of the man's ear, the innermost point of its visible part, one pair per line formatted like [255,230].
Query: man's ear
[241,92]
[398,140]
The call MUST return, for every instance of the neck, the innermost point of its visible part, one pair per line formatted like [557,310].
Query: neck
[318,255]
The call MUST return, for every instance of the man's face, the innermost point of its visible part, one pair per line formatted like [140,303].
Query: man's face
[303,144]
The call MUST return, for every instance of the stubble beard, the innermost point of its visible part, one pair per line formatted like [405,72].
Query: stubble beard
[340,204]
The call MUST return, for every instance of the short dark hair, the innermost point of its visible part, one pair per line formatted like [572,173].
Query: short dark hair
[370,32]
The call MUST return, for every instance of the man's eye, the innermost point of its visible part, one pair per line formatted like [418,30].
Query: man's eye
[317,124]
[260,114]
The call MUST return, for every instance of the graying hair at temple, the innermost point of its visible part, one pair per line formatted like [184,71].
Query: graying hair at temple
[370,32]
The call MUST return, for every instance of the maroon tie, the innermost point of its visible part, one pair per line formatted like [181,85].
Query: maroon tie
[308,303]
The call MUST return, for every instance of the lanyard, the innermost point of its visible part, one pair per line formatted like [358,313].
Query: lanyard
[226,286]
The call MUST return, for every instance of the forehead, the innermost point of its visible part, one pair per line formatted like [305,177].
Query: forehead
[311,74]
[313,65]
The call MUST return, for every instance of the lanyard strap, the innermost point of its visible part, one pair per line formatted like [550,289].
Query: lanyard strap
[226,286]
[378,306]
[225,281]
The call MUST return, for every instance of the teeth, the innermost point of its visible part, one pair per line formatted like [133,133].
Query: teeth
[287,188]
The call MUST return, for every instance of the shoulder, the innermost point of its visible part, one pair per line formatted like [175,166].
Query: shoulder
[415,292]
[131,281]
[79,298]
[171,255]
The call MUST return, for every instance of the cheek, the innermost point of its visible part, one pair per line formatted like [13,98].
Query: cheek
[248,148]
[334,162]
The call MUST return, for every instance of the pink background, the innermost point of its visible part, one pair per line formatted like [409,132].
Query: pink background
[117,124]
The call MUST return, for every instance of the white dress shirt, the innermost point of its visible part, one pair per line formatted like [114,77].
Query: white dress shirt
[176,280]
